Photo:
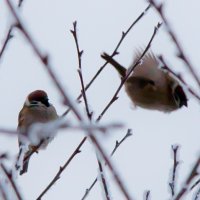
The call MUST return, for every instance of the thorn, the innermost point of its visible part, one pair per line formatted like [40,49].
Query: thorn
[81,52]
[72,31]
[79,151]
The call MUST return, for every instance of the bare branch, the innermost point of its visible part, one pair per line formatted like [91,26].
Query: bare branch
[80,53]
[197,195]
[20,3]
[110,166]
[117,145]
[147,195]
[9,34]
[114,98]
[181,53]
[103,180]
[5,44]
[9,176]
[124,34]
[192,175]
[179,77]
[195,184]
[57,176]
[175,165]
[8,131]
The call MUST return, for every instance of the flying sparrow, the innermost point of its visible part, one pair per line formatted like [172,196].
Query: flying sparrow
[149,86]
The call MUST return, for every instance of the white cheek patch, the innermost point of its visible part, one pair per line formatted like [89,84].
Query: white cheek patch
[27,102]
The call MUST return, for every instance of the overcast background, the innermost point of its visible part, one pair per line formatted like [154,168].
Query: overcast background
[145,159]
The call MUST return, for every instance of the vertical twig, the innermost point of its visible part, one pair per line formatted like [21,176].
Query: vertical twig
[117,145]
[174,172]
[9,176]
[110,166]
[147,195]
[103,180]
[192,175]
[80,53]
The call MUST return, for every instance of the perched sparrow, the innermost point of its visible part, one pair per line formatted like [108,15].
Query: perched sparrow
[36,109]
[149,86]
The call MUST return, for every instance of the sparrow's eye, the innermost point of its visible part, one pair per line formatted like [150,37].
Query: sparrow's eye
[34,102]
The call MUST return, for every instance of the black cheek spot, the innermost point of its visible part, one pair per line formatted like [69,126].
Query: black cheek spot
[180,94]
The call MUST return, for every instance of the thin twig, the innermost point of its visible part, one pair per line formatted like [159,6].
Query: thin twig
[3,156]
[147,195]
[197,195]
[192,175]
[195,184]
[179,77]
[57,176]
[9,176]
[114,98]
[110,166]
[8,37]
[103,180]
[117,144]
[8,131]
[124,34]
[80,53]
[174,172]
[9,34]
[181,53]
[20,3]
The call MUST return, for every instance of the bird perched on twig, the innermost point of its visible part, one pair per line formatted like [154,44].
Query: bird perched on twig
[149,86]
[36,109]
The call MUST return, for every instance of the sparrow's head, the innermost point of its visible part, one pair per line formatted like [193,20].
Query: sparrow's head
[180,96]
[36,97]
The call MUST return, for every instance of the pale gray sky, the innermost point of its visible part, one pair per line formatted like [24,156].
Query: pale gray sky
[144,160]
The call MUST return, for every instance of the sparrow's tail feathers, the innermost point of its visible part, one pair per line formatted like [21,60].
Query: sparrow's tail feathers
[25,163]
[121,70]
[22,161]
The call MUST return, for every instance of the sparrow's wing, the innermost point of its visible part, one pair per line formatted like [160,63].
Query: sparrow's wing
[140,82]
[148,67]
